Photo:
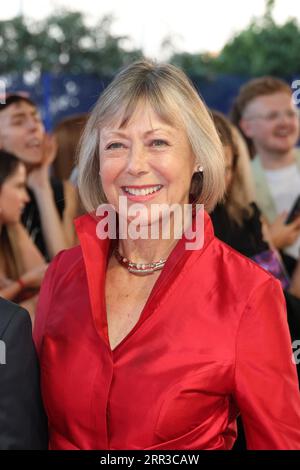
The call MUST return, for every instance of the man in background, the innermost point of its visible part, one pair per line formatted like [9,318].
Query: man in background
[267,116]
[49,215]
[23,423]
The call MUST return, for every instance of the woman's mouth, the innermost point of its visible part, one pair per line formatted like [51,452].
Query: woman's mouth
[141,193]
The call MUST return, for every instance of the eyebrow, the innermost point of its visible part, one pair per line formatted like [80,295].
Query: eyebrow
[21,114]
[152,131]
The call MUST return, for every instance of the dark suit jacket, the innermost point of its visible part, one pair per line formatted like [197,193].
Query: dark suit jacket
[23,423]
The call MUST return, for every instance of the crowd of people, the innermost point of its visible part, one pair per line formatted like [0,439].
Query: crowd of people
[141,343]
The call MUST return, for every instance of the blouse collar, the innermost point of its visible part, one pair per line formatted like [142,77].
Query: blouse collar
[96,255]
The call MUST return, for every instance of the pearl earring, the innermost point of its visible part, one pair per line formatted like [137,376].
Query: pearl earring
[199,169]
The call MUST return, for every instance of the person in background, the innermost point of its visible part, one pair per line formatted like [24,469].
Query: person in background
[67,134]
[238,221]
[49,214]
[150,343]
[22,266]
[266,114]
[23,423]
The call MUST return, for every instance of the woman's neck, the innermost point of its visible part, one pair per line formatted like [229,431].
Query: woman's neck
[146,251]
[159,243]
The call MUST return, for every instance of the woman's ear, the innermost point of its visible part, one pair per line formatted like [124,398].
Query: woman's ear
[198,169]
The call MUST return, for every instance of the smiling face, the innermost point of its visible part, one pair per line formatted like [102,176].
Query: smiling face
[272,122]
[22,132]
[13,196]
[148,161]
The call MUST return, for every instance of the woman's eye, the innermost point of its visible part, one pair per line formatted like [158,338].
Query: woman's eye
[114,145]
[158,143]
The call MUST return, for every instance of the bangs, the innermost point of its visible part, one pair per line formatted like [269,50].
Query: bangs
[169,93]
[147,93]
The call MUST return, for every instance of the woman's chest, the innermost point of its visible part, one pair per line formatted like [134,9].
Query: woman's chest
[174,362]
[167,384]
[125,300]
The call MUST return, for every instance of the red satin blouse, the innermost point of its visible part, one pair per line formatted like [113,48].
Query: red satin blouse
[211,341]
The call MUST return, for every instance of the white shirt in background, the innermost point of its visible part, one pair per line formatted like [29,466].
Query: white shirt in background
[284,186]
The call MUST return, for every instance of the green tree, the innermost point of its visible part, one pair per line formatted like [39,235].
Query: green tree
[200,65]
[262,48]
[62,43]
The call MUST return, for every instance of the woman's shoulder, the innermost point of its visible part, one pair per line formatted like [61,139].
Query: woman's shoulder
[69,255]
[238,268]
[65,262]
[64,269]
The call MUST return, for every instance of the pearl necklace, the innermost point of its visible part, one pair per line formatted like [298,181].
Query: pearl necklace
[140,269]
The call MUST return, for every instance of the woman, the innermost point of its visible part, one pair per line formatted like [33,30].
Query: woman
[22,267]
[143,343]
[67,133]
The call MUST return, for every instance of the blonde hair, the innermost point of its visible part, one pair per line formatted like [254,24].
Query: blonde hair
[173,97]
[241,193]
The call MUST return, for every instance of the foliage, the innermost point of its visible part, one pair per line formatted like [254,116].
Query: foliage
[62,43]
[263,48]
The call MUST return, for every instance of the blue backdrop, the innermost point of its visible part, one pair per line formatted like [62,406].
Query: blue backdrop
[64,95]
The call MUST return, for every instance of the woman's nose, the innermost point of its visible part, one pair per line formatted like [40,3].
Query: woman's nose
[137,160]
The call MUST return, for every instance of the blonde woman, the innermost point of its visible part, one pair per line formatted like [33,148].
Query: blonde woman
[144,343]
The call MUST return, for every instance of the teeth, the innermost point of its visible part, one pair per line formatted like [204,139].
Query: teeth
[282,133]
[34,143]
[142,192]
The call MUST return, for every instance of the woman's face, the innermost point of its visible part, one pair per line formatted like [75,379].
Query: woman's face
[13,196]
[228,166]
[147,161]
